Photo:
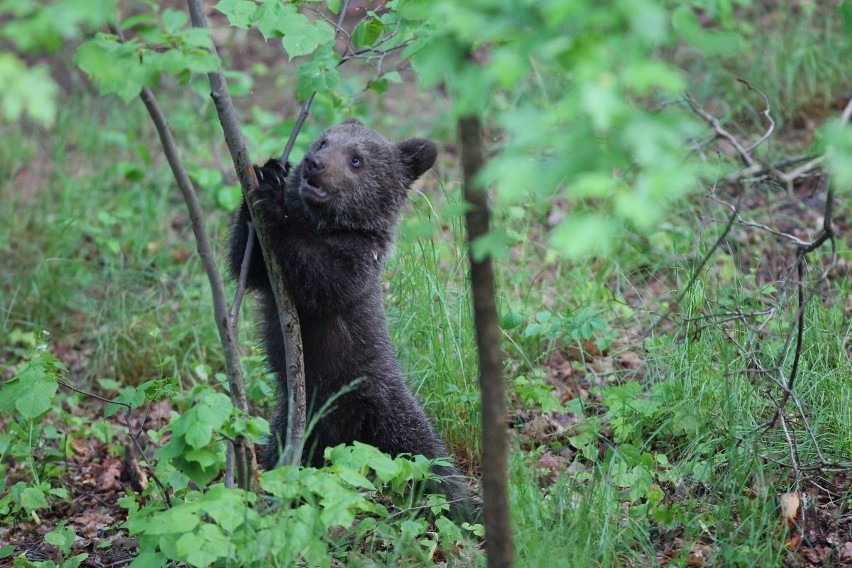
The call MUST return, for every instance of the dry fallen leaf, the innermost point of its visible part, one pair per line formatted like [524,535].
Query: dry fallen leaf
[698,555]
[110,475]
[789,503]
[844,553]
[629,360]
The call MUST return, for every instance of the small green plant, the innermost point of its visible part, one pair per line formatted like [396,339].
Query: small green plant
[534,392]
[316,516]
[573,327]
[196,445]
[24,399]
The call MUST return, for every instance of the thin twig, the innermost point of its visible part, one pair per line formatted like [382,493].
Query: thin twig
[304,112]
[234,313]
[760,226]
[697,270]
[766,112]
[303,115]
[133,437]
[744,155]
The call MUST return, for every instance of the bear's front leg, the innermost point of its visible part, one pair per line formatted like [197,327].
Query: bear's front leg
[268,200]
[268,197]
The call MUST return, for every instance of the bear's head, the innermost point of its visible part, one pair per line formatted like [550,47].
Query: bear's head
[353,177]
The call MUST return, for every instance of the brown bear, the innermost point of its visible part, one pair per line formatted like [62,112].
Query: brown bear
[332,220]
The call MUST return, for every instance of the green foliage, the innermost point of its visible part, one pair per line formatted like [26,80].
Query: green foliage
[34,28]
[837,144]
[28,91]
[572,87]
[31,391]
[534,392]
[572,327]
[196,447]
[299,36]
[124,68]
[311,515]
[24,399]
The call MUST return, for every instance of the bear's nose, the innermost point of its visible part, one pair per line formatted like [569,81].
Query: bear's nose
[313,164]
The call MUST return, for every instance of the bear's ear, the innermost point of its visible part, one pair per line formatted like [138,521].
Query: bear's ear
[418,155]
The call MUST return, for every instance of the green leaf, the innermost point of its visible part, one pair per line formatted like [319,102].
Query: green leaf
[367,32]
[641,76]
[223,504]
[494,243]
[205,547]
[240,13]
[837,138]
[32,389]
[333,6]
[173,20]
[318,74]
[602,102]
[114,67]
[61,537]
[33,498]
[27,91]
[302,37]
[710,42]
[135,397]
[449,532]
[580,235]
[436,60]
[179,519]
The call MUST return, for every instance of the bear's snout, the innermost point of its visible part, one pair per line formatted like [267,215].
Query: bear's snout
[313,165]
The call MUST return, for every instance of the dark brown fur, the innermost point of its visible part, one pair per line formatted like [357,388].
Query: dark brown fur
[331,220]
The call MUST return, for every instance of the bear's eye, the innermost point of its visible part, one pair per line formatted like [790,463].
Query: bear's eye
[322,145]
[355,161]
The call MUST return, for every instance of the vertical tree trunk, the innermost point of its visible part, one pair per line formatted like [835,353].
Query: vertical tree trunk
[495,475]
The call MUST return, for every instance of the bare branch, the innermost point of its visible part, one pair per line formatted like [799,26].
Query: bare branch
[744,154]
[234,313]
[246,458]
[766,113]
[303,115]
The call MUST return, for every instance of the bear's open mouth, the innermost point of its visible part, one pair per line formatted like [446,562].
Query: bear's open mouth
[312,192]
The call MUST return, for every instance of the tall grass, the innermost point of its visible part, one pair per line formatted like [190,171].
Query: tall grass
[98,254]
[428,303]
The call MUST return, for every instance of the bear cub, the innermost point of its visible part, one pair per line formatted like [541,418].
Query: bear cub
[332,220]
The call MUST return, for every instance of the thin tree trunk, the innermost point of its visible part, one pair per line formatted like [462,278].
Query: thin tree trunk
[499,549]
[244,454]
[290,329]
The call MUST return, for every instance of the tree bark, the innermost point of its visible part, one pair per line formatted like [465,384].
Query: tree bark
[499,549]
